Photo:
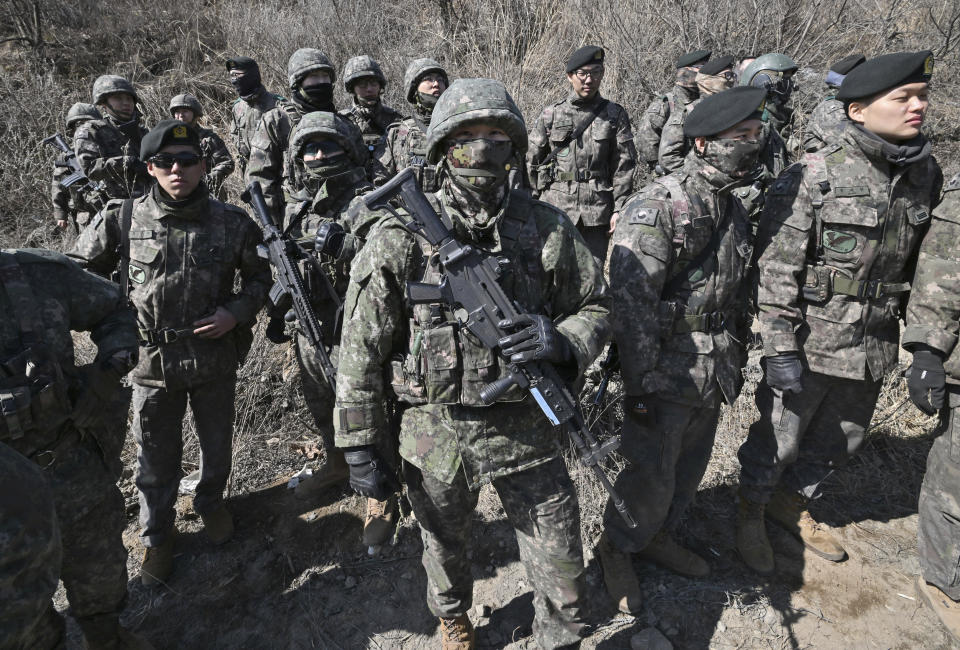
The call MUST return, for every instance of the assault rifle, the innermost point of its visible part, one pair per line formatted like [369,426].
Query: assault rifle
[76,174]
[284,253]
[471,289]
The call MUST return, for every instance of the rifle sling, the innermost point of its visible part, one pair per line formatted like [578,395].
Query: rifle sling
[576,133]
[126,218]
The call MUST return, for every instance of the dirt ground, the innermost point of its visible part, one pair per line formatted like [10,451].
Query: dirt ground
[295,574]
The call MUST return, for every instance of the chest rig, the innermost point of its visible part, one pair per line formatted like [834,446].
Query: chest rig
[415,150]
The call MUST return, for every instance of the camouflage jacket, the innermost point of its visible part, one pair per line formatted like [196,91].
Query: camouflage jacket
[219,161]
[373,123]
[421,356]
[826,124]
[673,143]
[405,145]
[62,298]
[677,268]
[60,196]
[591,178]
[933,313]
[110,156]
[247,113]
[655,118]
[183,265]
[838,239]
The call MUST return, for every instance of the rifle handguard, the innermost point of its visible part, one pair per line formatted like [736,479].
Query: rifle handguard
[496,389]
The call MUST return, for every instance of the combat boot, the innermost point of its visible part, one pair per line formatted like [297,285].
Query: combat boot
[457,633]
[381,521]
[218,525]
[333,471]
[618,575]
[157,563]
[752,542]
[665,551]
[790,511]
[946,609]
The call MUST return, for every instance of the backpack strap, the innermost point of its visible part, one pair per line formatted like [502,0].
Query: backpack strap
[22,298]
[126,219]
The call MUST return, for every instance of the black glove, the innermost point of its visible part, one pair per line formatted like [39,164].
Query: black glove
[926,380]
[99,381]
[370,476]
[642,408]
[783,372]
[277,330]
[537,339]
[329,239]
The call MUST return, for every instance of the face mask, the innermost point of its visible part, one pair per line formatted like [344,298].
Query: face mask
[328,166]
[247,83]
[318,95]
[687,78]
[735,158]
[713,84]
[479,163]
[426,100]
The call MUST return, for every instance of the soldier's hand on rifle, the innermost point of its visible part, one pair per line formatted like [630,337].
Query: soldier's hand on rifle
[329,239]
[926,380]
[536,339]
[215,325]
[784,372]
[369,475]
[642,408]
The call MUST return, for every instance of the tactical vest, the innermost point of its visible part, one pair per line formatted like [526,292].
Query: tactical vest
[444,363]
[34,396]
[415,146]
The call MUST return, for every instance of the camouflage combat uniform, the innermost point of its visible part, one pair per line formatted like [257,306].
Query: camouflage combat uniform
[591,178]
[655,118]
[183,263]
[451,442]
[219,161]
[44,297]
[372,122]
[110,155]
[405,145]
[839,235]
[933,319]
[247,112]
[686,350]
[826,123]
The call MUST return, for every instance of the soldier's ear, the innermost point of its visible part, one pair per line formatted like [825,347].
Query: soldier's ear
[855,112]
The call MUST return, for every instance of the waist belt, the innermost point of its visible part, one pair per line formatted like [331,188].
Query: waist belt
[578,175]
[867,289]
[710,322]
[163,336]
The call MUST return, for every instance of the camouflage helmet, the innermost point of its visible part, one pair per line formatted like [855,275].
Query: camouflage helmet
[359,67]
[417,69]
[110,83]
[81,112]
[470,100]
[186,100]
[331,126]
[307,60]
[775,63]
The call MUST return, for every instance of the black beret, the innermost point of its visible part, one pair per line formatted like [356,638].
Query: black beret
[699,56]
[716,113]
[716,65]
[242,63]
[846,64]
[885,72]
[584,56]
[165,133]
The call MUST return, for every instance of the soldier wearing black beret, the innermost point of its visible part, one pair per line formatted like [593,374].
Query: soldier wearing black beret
[581,155]
[680,251]
[840,233]
[828,118]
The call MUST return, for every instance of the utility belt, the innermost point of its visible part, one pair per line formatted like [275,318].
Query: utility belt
[709,322]
[164,336]
[575,176]
[820,283]
[34,398]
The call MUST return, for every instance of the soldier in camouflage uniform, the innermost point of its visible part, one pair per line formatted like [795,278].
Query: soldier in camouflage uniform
[828,119]
[713,77]
[180,252]
[69,203]
[679,256]
[774,73]
[405,144]
[253,102]
[311,76]
[363,78]
[588,177]
[452,443]
[188,110]
[30,553]
[933,322]
[838,239]
[54,415]
[108,148]
[661,108]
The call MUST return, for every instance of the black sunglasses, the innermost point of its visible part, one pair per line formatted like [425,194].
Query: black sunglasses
[166,160]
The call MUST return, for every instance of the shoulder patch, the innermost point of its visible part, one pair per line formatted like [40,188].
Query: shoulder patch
[645,216]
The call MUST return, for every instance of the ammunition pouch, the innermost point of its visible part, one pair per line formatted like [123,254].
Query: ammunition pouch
[34,397]
[821,282]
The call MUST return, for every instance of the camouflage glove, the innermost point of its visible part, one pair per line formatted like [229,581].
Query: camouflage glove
[783,372]
[329,239]
[926,380]
[99,382]
[370,476]
[537,339]
[643,409]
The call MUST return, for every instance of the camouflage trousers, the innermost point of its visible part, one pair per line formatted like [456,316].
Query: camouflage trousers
[801,438]
[316,393]
[30,555]
[938,530]
[666,463]
[158,429]
[541,505]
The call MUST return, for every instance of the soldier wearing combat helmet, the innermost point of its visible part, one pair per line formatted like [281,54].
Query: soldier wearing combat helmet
[833,270]
[188,110]
[451,442]
[70,204]
[364,80]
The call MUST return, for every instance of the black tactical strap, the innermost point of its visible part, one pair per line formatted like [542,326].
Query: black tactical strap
[577,132]
[677,279]
[22,298]
[126,219]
